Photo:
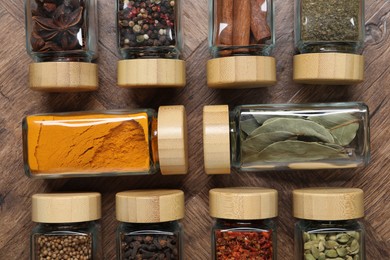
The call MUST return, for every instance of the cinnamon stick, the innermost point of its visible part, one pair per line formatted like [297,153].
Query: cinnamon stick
[226,22]
[242,22]
[259,26]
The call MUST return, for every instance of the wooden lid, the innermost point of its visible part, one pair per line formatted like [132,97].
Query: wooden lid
[328,203]
[63,76]
[149,206]
[241,72]
[66,207]
[172,140]
[243,203]
[140,73]
[328,68]
[216,139]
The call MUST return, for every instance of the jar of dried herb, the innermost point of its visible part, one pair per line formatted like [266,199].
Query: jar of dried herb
[112,143]
[285,136]
[244,225]
[149,40]
[150,225]
[68,226]
[329,37]
[241,36]
[62,40]
[328,226]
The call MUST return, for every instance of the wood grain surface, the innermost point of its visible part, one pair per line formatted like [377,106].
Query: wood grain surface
[17,101]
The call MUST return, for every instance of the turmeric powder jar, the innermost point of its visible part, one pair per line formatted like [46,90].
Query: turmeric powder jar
[85,144]
[241,37]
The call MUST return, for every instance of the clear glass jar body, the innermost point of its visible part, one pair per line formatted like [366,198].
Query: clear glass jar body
[149,29]
[329,239]
[299,136]
[85,144]
[57,241]
[240,27]
[261,235]
[329,26]
[150,240]
[61,30]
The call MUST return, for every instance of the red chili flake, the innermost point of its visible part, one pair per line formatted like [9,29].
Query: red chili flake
[232,245]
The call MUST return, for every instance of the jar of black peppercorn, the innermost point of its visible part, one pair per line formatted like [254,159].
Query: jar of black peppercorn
[329,226]
[150,225]
[150,42]
[244,225]
[62,40]
[329,37]
[67,226]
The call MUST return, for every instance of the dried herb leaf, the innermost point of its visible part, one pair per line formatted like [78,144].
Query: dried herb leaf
[249,125]
[262,140]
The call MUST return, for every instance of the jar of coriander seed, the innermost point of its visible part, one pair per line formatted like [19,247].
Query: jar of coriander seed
[328,224]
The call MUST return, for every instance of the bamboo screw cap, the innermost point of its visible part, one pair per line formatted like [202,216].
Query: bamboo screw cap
[243,203]
[66,207]
[149,206]
[328,203]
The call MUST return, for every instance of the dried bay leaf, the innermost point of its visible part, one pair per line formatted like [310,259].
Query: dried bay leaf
[262,140]
[248,125]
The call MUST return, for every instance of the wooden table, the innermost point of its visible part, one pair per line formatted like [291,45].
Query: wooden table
[17,101]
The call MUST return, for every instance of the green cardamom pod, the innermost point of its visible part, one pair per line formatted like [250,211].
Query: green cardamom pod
[331,244]
[306,236]
[342,251]
[343,238]
[309,257]
[321,246]
[322,256]
[315,252]
[331,253]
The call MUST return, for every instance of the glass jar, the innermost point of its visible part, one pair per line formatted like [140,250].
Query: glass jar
[244,225]
[61,37]
[149,40]
[111,143]
[329,37]
[68,224]
[285,136]
[150,225]
[328,226]
[241,37]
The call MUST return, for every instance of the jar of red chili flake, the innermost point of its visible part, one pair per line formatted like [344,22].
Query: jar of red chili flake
[244,225]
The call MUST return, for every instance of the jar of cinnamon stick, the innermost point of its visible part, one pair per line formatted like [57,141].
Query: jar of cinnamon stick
[111,143]
[329,37]
[61,37]
[241,37]
[149,39]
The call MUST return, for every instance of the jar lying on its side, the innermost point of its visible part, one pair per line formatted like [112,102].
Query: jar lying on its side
[85,144]
[61,37]
[329,36]
[150,42]
[241,37]
[68,226]
[285,136]
[150,225]
[328,226]
[244,227]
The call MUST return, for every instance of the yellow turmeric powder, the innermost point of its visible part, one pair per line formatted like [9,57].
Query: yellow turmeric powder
[87,143]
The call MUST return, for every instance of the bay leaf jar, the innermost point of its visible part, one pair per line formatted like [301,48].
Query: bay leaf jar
[150,225]
[329,37]
[111,143]
[61,37]
[150,43]
[285,136]
[68,226]
[244,226]
[241,37]
[329,226]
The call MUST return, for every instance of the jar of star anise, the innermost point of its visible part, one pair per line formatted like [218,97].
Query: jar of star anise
[62,40]
[150,42]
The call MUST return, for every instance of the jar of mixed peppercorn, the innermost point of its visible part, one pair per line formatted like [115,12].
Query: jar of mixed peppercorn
[244,227]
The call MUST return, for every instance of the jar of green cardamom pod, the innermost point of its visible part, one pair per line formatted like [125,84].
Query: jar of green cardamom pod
[254,138]
[328,226]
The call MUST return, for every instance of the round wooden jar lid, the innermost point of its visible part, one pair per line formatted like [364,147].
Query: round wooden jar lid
[216,139]
[241,72]
[243,203]
[140,73]
[328,203]
[66,207]
[328,68]
[172,140]
[63,76]
[149,206]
